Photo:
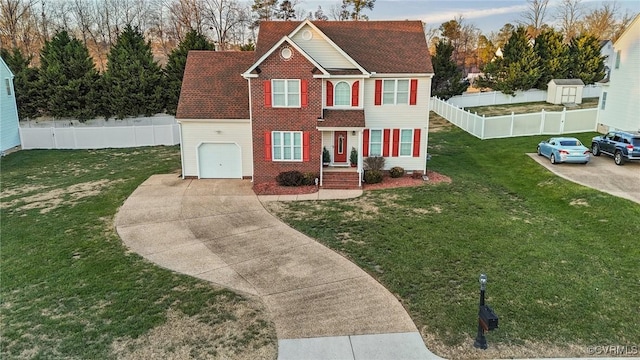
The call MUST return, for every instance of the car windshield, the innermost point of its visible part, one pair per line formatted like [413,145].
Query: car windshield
[570,143]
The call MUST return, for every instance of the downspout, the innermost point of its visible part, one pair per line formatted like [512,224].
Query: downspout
[181,147]
[251,129]
[360,158]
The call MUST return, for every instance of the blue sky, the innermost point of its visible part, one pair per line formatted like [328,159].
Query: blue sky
[487,15]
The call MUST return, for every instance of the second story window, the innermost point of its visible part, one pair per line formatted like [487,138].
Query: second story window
[286,93]
[342,94]
[395,92]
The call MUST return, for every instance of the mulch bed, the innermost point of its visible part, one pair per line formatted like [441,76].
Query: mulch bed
[387,182]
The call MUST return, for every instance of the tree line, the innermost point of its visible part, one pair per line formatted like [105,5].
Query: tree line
[87,58]
[230,24]
[529,54]
[523,64]
[67,83]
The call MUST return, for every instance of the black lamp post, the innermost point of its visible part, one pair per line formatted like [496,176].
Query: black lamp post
[487,319]
[481,340]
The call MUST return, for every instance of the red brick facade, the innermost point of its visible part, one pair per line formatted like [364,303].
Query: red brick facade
[266,119]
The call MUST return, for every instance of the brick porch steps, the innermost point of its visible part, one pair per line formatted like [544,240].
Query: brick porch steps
[340,180]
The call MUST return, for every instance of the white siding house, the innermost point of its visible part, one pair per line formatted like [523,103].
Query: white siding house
[9,128]
[619,106]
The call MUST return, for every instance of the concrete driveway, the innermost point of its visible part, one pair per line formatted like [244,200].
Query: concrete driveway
[217,230]
[601,173]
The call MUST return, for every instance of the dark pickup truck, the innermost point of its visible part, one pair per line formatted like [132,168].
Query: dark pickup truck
[622,145]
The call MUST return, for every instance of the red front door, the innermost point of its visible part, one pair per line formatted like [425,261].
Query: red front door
[339,146]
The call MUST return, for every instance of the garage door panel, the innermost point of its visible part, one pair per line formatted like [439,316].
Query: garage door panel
[219,161]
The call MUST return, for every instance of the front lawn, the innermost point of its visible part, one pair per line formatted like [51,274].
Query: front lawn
[562,259]
[71,290]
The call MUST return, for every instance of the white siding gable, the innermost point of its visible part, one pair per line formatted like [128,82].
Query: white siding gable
[320,50]
[623,90]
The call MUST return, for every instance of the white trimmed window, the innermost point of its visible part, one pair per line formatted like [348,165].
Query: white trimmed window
[342,94]
[395,91]
[7,83]
[375,143]
[286,145]
[286,93]
[406,142]
[618,59]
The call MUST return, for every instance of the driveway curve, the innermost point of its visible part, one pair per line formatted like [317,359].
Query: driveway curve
[218,230]
[601,174]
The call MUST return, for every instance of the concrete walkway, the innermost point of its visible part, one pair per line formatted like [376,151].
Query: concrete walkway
[323,306]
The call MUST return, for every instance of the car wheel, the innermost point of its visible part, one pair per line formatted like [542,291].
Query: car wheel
[595,150]
[552,159]
[618,158]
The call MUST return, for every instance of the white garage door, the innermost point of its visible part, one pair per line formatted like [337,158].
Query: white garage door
[220,161]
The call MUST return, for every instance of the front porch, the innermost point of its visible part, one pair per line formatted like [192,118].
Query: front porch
[340,177]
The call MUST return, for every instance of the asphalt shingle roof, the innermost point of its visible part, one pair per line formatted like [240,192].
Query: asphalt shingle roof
[378,46]
[213,86]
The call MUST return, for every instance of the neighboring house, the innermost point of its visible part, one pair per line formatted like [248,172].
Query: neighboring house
[606,50]
[9,128]
[308,86]
[565,91]
[619,103]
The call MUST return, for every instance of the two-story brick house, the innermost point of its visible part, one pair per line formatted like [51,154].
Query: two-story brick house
[308,86]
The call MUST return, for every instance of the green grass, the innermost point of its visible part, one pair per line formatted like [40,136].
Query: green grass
[69,287]
[562,259]
[533,107]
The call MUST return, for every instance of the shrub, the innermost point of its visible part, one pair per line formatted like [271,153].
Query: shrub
[372,176]
[326,156]
[396,172]
[353,157]
[290,178]
[310,178]
[374,163]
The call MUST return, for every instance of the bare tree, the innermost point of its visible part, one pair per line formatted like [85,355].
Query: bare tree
[222,16]
[339,12]
[463,37]
[14,15]
[602,22]
[534,16]
[569,15]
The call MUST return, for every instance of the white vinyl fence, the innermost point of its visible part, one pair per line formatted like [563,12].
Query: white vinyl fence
[498,98]
[100,134]
[542,123]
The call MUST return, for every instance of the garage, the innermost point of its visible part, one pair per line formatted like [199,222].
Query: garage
[219,161]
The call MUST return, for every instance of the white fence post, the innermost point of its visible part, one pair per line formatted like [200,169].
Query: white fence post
[512,121]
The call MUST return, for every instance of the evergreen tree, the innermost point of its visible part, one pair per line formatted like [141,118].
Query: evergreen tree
[518,69]
[174,69]
[133,81]
[447,80]
[586,62]
[68,78]
[286,11]
[554,57]
[25,83]
[357,7]
[264,10]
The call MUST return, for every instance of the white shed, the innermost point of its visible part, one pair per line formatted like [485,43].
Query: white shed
[565,91]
